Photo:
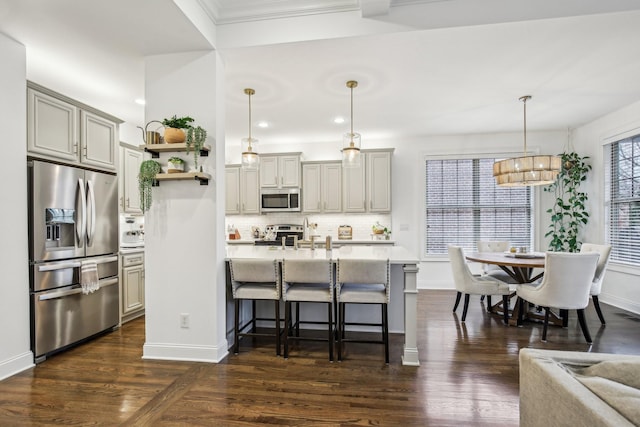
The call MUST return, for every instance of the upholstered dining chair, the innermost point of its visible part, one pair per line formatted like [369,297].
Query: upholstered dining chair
[603,261]
[468,284]
[491,269]
[254,279]
[566,285]
[307,280]
[361,281]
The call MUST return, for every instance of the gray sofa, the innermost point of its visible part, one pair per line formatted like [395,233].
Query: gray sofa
[562,388]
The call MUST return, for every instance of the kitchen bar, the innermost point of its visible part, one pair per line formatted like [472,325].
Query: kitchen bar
[404,267]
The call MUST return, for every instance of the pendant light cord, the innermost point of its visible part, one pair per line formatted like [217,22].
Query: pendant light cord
[524,100]
[352,113]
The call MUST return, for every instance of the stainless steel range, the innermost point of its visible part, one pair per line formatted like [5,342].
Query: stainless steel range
[274,234]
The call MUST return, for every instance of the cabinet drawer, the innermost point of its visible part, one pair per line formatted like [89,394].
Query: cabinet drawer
[132,259]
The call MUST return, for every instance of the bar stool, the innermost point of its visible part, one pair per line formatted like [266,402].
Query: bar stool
[307,281]
[254,279]
[363,282]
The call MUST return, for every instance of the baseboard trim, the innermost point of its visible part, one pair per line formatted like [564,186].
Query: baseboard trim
[16,365]
[618,302]
[185,353]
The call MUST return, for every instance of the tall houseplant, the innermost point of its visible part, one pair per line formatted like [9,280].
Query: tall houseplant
[569,212]
[148,171]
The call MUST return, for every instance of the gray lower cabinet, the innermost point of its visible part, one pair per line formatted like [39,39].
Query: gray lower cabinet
[132,286]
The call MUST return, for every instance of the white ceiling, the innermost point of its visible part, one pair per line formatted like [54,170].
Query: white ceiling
[424,67]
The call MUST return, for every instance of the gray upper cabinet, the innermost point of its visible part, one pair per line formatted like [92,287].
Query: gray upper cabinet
[280,171]
[368,188]
[62,129]
[322,187]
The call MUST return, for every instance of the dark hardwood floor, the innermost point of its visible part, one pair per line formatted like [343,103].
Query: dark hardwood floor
[468,376]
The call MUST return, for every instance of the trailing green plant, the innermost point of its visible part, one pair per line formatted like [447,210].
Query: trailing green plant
[178,123]
[146,178]
[196,136]
[569,212]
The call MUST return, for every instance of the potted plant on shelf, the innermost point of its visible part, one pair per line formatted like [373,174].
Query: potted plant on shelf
[175,165]
[174,129]
[569,212]
[196,136]
[146,178]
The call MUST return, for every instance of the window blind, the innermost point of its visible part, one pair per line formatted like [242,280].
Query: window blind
[464,205]
[622,199]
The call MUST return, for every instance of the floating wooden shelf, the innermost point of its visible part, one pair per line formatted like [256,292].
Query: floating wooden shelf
[156,149]
[198,176]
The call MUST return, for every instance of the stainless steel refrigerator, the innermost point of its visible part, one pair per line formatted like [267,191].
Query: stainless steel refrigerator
[73,221]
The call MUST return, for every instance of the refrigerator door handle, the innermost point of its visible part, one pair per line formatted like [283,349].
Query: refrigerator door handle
[82,229]
[75,291]
[91,208]
[59,266]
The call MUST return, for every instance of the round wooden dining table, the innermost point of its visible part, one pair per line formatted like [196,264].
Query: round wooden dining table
[519,267]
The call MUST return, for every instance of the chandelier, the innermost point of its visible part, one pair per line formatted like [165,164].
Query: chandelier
[526,170]
[250,158]
[351,140]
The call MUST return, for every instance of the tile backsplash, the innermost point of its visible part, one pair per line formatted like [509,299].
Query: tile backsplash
[327,223]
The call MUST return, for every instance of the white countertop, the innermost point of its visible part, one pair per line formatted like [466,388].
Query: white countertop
[126,251]
[321,241]
[395,254]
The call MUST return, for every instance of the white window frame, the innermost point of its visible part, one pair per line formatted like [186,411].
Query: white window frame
[424,256]
[608,171]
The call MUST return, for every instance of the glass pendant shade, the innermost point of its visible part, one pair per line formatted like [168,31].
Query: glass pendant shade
[527,170]
[351,150]
[250,158]
[351,140]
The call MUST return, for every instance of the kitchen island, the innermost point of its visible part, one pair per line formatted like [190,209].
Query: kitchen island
[404,268]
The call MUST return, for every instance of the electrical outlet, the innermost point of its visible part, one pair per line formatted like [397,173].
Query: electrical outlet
[184,320]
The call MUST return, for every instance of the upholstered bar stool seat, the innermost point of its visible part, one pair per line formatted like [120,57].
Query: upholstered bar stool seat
[308,281]
[253,279]
[363,282]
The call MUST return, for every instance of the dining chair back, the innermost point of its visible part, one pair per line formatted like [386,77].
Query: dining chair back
[468,284]
[363,281]
[565,285]
[308,280]
[603,262]
[255,279]
[492,269]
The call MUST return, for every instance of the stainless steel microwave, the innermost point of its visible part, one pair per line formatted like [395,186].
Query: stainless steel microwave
[280,200]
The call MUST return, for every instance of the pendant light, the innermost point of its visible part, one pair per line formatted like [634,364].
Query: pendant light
[250,158]
[526,170]
[351,140]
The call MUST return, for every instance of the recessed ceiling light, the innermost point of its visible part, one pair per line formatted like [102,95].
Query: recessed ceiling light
[338,120]
[140,101]
[263,124]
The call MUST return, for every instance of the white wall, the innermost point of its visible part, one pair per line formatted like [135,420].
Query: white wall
[183,256]
[620,285]
[15,353]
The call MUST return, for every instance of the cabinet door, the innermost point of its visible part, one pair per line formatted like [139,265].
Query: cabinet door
[98,141]
[52,127]
[131,160]
[269,172]
[289,168]
[232,190]
[332,187]
[311,188]
[249,192]
[379,181]
[132,289]
[354,189]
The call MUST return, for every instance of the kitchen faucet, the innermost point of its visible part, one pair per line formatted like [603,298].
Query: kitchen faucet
[305,229]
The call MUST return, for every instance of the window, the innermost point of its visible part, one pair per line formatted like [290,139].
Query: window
[464,205]
[622,199]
